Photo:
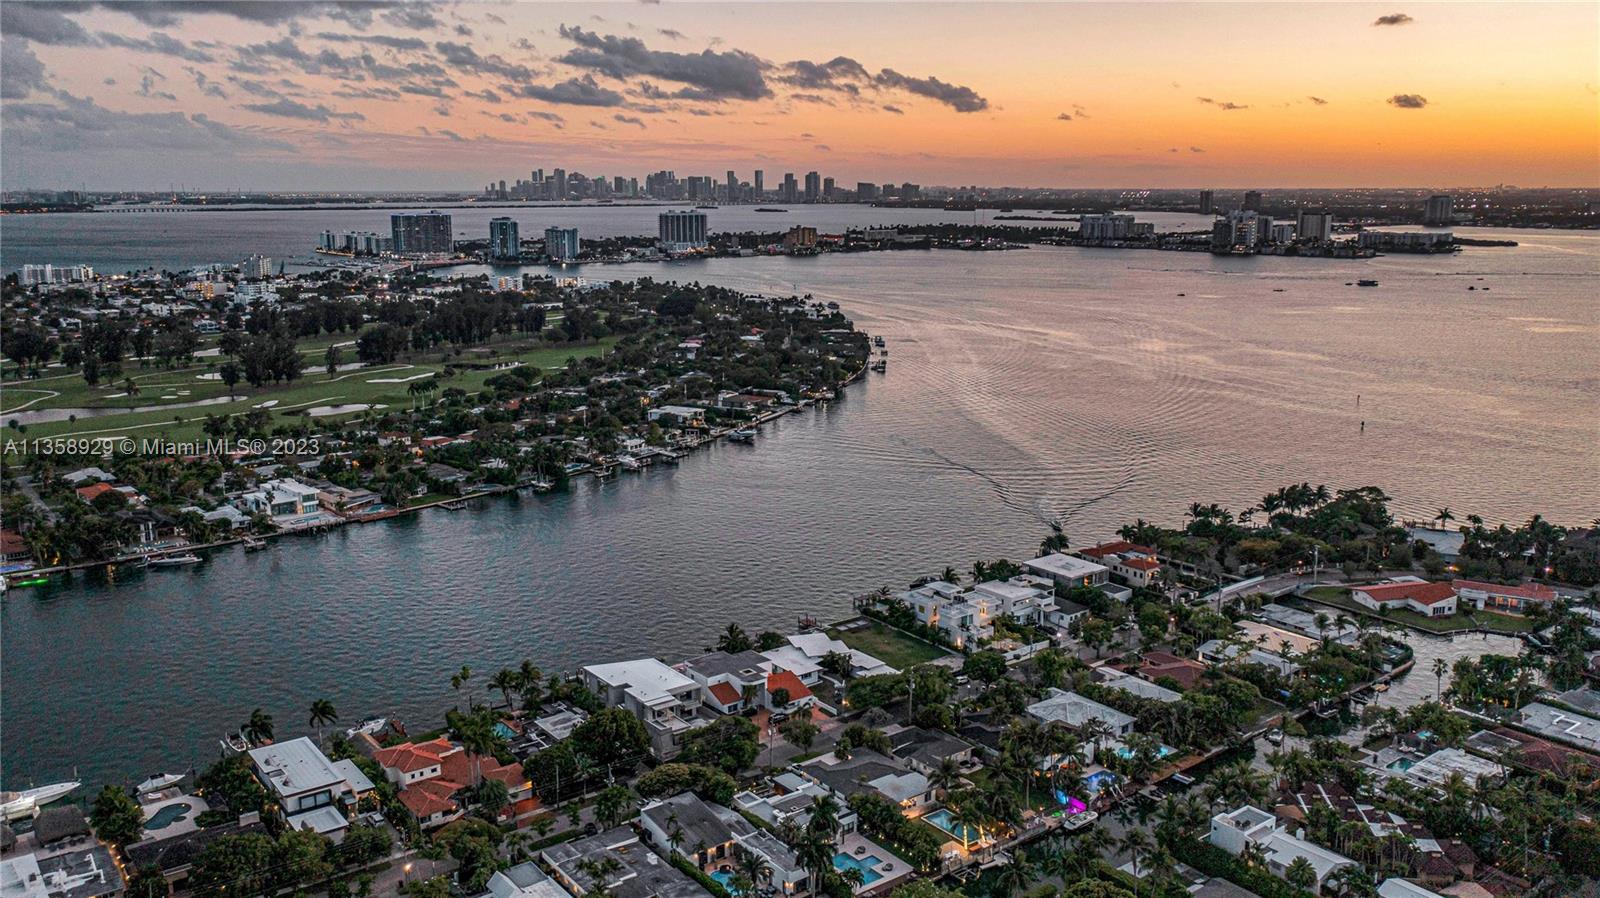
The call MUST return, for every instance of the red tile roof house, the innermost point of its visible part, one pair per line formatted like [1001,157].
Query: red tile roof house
[1134,564]
[94,491]
[1430,599]
[1186,672]
[799,695]
[1506,599]
[430,774]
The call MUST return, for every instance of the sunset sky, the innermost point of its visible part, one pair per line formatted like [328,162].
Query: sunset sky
[370,96]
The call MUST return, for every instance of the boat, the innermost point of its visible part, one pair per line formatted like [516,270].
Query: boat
[18,805]
[1366,282]
[252,544]
[880,366]
[629,463]
[235,743]
[454,505]
[1380,687]
[742,435]
[172,560]
[159,781]
[371,726]
[1182,779]
[705,207]
[771,210]
[877,341]
[1275,737]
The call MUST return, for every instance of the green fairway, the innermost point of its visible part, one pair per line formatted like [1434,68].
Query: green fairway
[384,385]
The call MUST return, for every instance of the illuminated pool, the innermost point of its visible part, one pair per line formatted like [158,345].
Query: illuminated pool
[1100,779]
[947,822]
[725,879]
[843,862]
[1402,764]
[1126,753]
[166,816]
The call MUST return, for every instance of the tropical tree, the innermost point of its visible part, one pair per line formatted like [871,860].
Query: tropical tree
[1136,844]
[734,640]
[1301,874]
[1015,877]
[322,714]
[258,729]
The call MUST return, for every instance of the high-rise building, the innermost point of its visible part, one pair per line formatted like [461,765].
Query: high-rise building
[866,191]
[1252,201]
[561,244]
[1207,202]
[813,187]
[505,239]
[255,267]
[791,188]
[559,178]
[733,186]
[1440,211]
[827,189]
[31,275]
[1244,228]
[1314,226]
[1112,226]
[760,183]
[910,191]
[679,231]
[800,238]
[421,232]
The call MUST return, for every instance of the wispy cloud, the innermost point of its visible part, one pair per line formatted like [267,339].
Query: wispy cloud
[1408,101]
[1394,18]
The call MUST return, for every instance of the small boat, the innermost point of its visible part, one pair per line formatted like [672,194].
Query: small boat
[159,781]
[877,341]
[1183,294]
[1380,687]
[18,805]
[742,435]
[1182,779]
[1275,737]
[454,505]
[252,544]
[629,463]
[235,743]
[371,726]
[880,366]
[1366,282]
[173,560]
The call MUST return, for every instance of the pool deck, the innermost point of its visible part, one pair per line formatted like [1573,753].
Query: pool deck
[891,868]
[194,803]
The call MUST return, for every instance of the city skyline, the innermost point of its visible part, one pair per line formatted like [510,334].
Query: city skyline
[378,96]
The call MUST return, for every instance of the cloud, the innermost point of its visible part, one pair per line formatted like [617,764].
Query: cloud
[547,116]
[467,59]
[204,84]
[840,73]
[671,34]
[383,40]
[894,109]
[415,16]
[1394,18]
[158,42]
[1064,117]
[811,98]
[22,73]
[957,97]
[451,134]
[486,95]
[1222,104]
[42,24]
[147,83]
[1408,101]
[1318,100]
[711,76]
[1197,149]
[80,124]
[583,91]
[352,92]
[287,108]
[822,147]
[166,13]
[628,119]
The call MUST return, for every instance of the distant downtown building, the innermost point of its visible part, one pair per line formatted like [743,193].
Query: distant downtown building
[1440,211]
[1315,226]
[684,230]
[357,242]
[791,189]
[1207,202]
[1252,201]
[421,232]
[561,244]
[505,239]
[813,187]
[255,267]
[1112,226]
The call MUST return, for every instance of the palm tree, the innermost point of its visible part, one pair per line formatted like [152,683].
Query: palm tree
[505,679]
[322,713]
[755,868]
[1439,669]
[1301,874]
[459,679]
[946,775]
[824,818]
[1015,877]
[1443,517]
[258,729]
[949,575]
[1136,844]
[734,640]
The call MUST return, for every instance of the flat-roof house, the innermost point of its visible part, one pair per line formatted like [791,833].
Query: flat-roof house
[1074,710]
[82,873]
[310,790]
[868,771]
[282,498]
[639,872]
[730,683]
[1069,570]
[1429,599]
[1221,651]
[1249,825]
[525,880]
[1504,598]
[1133,685]
[806,650]
[665,701]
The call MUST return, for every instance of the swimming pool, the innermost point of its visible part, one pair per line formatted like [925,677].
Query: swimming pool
[725,879]
[1099,780]
[1126,753]
[166,816]
[843,862]
[947,822]
[1402,764]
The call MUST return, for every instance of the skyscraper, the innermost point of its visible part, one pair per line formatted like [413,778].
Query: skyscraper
[791,189]
[559,178]
[1315,226]
[827,189]
[733,186]
[1207,202]
[255,267]
[1440,211]
[505,241]
[866,191]
[761,183]
[1252,201]
[421,232]
[561,244]
[679,231]
[813,186]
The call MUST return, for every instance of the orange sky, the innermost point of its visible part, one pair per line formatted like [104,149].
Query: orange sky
[454,95]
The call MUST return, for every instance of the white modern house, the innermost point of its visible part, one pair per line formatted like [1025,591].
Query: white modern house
[280,498]
[665,701]
[1249,825]
[1069,570]
[311,790]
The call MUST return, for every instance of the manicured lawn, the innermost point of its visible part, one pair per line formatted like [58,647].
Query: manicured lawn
[1489,620]
[377,385]
[888,645]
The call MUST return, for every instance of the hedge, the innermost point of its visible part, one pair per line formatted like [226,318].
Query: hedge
[1213,861]
[698,875]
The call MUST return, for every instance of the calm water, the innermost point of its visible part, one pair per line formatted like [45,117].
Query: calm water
[1023,386]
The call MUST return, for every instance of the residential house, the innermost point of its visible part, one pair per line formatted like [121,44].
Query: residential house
[525,880]
[791,801]
[730,683]
[867,771]
[1069,570]
[1428,599]
[310,790]
[1186,672]
[665,701]
[1126,682]
[805,651]
[1073,710]
[637,872]
[174,856]
[430,774]
[1130,563]
[712,837]
[281,498]
[679,415]
[1503,598]
[1222,651]
[80,873]
[13,548]
[1249,825]
[923,750]
[1394,887]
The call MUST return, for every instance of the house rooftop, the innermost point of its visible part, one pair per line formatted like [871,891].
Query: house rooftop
[649,680]
[1075,710]
[746,665]
[1061,566]
[643,874]
[295,766]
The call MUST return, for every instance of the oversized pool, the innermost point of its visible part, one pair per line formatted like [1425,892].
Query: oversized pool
[865,864]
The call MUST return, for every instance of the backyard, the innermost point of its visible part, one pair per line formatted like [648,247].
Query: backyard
[885,643]
[1339,597]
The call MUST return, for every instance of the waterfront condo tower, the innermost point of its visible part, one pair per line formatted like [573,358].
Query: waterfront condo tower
[561,244]
[505,241]
[681,231]
[421,232]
